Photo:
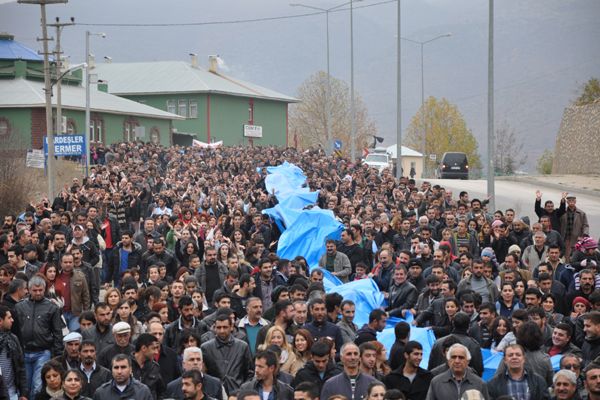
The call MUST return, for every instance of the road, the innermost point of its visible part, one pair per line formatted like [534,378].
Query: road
[520,196]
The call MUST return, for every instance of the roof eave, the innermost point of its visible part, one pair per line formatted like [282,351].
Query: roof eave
[283,100]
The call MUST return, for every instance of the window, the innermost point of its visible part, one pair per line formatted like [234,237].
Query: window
[71,127]
[96,129]
[182,108]
[171,106]
[155,135]
[129,132]
[193,109]
[4,127]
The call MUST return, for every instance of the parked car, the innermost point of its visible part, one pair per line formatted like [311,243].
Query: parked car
[454,165]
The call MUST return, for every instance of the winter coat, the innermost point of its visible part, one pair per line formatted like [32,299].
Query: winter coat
[134,259]
[40,326]
[402,297]
[230,361]
[309,373]
[135,390]
[281,391]
[341,265]
[99,376]
[415,390]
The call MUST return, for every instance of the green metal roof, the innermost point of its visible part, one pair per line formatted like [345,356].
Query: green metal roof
[22,93]
[162,77]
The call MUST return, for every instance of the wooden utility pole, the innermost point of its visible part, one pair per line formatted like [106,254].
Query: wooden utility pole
[48,89]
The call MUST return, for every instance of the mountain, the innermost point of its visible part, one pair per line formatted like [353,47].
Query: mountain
[544,50]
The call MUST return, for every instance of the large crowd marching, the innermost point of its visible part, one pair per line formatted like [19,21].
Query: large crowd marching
[157,277]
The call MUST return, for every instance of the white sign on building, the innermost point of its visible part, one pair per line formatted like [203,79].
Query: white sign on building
[253,131]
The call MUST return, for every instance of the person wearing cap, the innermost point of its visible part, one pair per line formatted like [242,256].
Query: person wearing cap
[70,357]
[502,239]
[88,248]
[573,225]
[122,335]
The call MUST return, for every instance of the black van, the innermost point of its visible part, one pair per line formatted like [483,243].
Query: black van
[454,165]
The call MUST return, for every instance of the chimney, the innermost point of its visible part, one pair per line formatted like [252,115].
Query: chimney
[213,63]
[194,59]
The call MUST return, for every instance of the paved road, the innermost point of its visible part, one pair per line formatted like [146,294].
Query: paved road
[520,196]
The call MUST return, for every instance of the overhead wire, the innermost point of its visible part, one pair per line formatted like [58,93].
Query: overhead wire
[234,21]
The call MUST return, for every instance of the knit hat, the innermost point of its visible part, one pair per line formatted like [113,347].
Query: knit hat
[582,300]
[497,223]
[586,244]
[487,252]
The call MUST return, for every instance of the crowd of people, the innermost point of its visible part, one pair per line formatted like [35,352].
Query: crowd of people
[157,277]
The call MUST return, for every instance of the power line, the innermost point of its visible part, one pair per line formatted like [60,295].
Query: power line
[234,21]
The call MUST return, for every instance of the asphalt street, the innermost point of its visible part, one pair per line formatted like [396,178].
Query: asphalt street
[521,197]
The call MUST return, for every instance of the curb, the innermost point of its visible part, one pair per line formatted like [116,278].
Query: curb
[558,186]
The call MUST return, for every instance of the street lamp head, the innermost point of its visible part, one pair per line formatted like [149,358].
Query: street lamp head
[103,35]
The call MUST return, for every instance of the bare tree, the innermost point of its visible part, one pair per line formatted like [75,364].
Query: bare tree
[509,154]
[308,119]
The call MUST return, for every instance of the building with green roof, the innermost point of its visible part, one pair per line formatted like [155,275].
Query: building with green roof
[214,106]
[22,106]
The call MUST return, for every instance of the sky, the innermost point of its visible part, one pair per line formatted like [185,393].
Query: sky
[544,51]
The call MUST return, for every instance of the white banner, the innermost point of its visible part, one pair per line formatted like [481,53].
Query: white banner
[203,145]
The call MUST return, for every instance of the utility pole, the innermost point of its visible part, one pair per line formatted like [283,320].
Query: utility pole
[490,150]
[59,66]
[399,96]
[352,105]
[47,89]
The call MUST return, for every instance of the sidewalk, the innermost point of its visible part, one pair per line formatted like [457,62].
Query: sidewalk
[581,184]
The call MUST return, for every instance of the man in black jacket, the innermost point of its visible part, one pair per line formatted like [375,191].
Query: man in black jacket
[266,366]
[126,248]
[40,331]
[227,358]
[415,388]
[319,369]
[167,357]
[122,385]
[94,375]
[192,361]
[368,333]
[144,368]
[460,326]
[11,358]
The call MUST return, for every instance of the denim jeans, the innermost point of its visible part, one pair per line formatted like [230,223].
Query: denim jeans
[71,320]
[33,367]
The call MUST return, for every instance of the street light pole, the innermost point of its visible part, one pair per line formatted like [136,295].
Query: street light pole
[399,96]
[490,150]
[329,146]
[352,105]
[423,120]
[87,98]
